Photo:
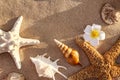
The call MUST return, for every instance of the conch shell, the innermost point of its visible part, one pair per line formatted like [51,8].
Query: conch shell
[71,55]
[45,67]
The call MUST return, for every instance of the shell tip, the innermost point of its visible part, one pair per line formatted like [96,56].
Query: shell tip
[80,64]
[57,42]
[31,58]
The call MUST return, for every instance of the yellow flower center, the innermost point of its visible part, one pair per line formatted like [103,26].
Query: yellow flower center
[94,33]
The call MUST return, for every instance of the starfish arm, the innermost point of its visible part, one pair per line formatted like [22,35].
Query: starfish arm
[24,42]
[17,25]
[86,73]
[115,71]
[2,32]
[113,53]
[94,56]
[105,76]
[2,50]
[3,41]
[16,57]
[2,36]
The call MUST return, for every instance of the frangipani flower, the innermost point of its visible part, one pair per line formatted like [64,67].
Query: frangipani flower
[93,34]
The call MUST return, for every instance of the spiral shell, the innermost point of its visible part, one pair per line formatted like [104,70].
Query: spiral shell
[71,55]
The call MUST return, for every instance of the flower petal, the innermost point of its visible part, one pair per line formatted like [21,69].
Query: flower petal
[87,37]
[94,42]
[96,27]
[102,35]
[88,29]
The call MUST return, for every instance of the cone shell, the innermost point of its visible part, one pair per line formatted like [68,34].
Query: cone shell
[71,55]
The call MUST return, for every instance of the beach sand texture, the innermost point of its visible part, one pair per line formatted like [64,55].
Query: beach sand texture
[47,20]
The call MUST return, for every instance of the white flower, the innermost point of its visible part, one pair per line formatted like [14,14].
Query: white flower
[93,34]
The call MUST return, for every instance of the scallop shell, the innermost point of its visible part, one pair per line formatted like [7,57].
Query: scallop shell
[45,67]
[15,76]
[71,55]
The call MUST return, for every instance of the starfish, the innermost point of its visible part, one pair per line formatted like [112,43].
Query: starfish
[103,67]
[11,42]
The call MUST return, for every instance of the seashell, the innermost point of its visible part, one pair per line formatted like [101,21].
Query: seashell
[45,67]
[15,76]
[71,55]
[109,14]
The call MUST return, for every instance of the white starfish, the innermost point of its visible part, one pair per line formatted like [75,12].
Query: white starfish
[11,42]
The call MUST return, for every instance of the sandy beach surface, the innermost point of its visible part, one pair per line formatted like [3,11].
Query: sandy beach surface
[46,20]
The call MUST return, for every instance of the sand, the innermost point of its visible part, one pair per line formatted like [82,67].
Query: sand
[49,19]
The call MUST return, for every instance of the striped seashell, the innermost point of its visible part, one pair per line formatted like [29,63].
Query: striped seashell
[71,55]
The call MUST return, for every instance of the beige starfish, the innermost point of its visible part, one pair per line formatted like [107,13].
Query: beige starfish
[11,42]
[102,67]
